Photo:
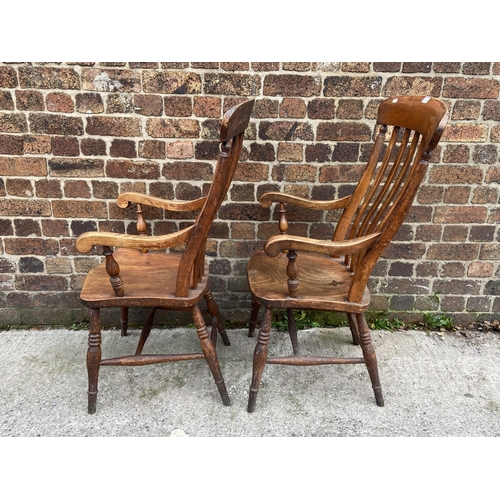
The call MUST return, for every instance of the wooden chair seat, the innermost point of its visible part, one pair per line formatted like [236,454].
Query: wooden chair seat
[149,279]
[324,283]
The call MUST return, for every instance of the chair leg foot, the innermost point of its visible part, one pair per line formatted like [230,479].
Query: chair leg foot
[124,321]
[379,398]
[259,358]
[92,403]
[252,400]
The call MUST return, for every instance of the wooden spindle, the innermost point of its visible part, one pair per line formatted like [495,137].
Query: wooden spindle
[292,271]
[113,270]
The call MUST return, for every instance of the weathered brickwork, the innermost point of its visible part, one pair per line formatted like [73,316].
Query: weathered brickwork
[73,136]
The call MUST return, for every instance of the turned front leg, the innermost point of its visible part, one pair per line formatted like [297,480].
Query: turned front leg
[94,357]
[370,357]
[210,354]
[260,357]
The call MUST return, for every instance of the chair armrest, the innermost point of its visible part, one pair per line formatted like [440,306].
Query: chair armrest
[178,206]
[85,241]
[273,196]
[276,244]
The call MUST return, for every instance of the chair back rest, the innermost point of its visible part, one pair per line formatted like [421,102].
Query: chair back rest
[192,265]
[391,178]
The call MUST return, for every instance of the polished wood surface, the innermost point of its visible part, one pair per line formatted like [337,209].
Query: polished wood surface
[139,272]
[293,272]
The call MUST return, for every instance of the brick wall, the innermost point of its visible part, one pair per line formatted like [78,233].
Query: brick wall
[75,135]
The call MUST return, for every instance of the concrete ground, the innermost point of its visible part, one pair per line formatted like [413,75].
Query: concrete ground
[434,385]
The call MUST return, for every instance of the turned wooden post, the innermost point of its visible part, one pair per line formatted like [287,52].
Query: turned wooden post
[113,270]
[141,223]
[292,271]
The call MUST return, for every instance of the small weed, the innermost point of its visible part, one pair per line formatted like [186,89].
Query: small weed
[82,325]
[380,323]
[437,322]
[301,320]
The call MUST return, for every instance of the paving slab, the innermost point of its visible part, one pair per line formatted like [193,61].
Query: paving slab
[435,385]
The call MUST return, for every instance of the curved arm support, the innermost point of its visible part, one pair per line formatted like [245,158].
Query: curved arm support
[85,242]
[273,196]
[276,244]
[178,206]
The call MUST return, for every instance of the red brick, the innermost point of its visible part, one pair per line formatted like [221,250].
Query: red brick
[76,189]
[343,131]
[46,188]
[291,85]
[296,66]
[285,131]
[407,85]
[485,154]
[466,110]
[172,128]
[171,82]
[454,174]
[11,145]
[113,126]
[460,215]
[290,152]
[152,149]
[19,187]
[71,209]
[148,105]
[132,169]
[41,283]
[93,147]
[231,84]
[65,146]
[111,80]
[42,123]
[457,195]
[416,67]
[356,67]
[8,77]
[485,195]
[76,167]
[55,228]
[318,153]
[292,108]
[265,66]
[387,67]
[31,246]
[347,86]
[350,109]
[23,166]
[251,172]
[59,102]
[37,144]
[6,101]
[321,109]
[14,123]
[29,100]
[476,68]
[188,171]
[123,148]
[453,251]
[265,108]
[235,66]
[475,88]
[89,103]
[178,106]
[119,103]
[456,153]
[48,77]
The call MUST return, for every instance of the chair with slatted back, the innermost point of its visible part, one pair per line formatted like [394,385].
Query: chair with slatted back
[300,273]
[139,273]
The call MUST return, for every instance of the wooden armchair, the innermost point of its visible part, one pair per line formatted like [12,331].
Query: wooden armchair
[294,272]
[137,276]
